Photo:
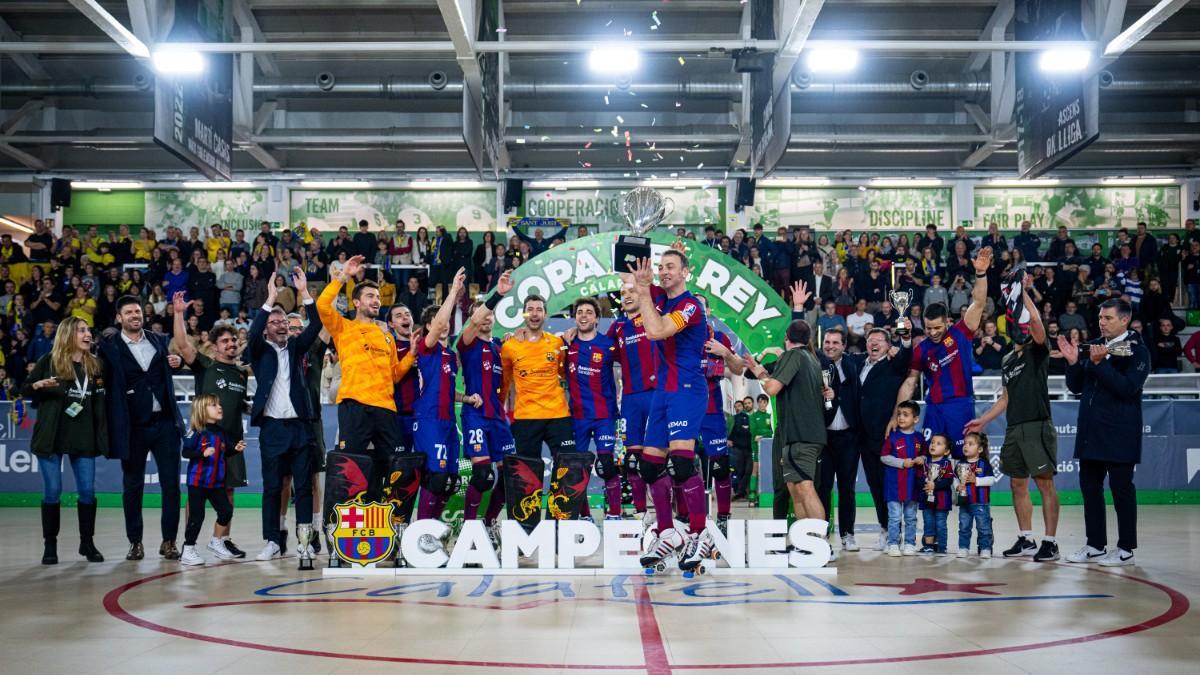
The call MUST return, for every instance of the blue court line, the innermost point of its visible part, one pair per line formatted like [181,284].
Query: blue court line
[940,601]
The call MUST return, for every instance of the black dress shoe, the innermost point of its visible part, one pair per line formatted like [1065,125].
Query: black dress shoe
[136,552]
[283,542]
[237,552]
[168,550]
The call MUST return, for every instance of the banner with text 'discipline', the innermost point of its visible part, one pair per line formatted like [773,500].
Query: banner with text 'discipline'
[583,268]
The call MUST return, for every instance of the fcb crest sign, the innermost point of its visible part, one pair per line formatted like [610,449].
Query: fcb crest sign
[364,533]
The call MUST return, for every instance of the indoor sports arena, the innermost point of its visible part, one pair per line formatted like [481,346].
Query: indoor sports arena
[640,336]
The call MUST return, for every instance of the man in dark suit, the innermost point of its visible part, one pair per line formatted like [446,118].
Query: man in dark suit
[282,408]
[881,371]
[1110,431]
[820,287]
[143,417]
[840,458]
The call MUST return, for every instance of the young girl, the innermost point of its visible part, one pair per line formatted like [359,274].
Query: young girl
[938,494]
[206,447]
[977,492]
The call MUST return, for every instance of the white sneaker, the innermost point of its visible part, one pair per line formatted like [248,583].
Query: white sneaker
[217,546]
[269,552]
[962,553]
[848,544]
[881,543]
[1118,558]
[893,551]
[909,549]
[985,554]
[190,557]
[1086,554]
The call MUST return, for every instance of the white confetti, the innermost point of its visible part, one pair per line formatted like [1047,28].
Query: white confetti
[606,100]
[700,165]
[645,106]
[620,120]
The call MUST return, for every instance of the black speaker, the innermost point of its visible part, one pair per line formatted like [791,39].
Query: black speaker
[744,196]
[60,193]
[513,192]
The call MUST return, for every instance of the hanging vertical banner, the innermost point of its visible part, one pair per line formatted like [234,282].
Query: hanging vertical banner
[193,112]
[765,121]
[1058,114]
[491,133]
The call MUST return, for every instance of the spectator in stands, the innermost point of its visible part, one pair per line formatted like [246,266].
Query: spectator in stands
[960,295]
[994,239]
[960,234]
[40,243]
[1191,351]
[254,290]
[990,349]
[1027,242]
[1145,247]
[1169,258]
[364,243]
[1125,260]
[413,297]
[1165,349]
[1072,319]
[1057,365]
[11,253]
[1191,273]
[886,316]
[859,323]
[1058,245]
[931,240]
[829,319]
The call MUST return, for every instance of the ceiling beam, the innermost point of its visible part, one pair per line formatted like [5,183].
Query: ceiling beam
[1142,27]
[14,123]
[112,28]
[248,25]
[28,63]
[994,29]
[796,25]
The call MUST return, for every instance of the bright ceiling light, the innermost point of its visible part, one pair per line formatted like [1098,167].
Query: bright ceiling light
[614,60]
[905,182]
[335,184]
[1018,183]
[106,185]
[228,185]
[832,60]
[14,224]
[173,61]
[794,182]
[563,184]
[1149,180]
[685,183]
[445,185]
[1070,60]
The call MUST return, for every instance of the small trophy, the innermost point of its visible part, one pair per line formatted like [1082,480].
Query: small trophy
[304,537]
[1119,348]
[334,560]
[643,208]
[964,469]
[901,300]
[933,471]
[827,378]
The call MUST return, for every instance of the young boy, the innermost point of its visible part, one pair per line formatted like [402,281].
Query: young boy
[902,453]
[760,428]
[977,489]
[937,481]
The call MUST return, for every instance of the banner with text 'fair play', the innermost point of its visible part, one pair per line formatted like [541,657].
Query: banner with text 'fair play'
[584,267]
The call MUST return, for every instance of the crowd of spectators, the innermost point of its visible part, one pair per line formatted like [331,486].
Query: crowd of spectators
[82,273]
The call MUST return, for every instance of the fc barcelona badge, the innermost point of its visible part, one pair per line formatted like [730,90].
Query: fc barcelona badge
[364,533]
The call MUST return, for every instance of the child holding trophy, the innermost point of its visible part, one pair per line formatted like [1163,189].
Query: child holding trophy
[937,475]
[902,453]
[975,479]
[206,446]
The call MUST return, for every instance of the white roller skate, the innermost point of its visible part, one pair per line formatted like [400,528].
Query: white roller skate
[698,554]
[663,549]
[493,531]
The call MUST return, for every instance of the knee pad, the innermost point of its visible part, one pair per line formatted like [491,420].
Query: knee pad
[441,484]
[483,476]
[606,466]
[681,468]
[719,466]
[651,471]
[631,461]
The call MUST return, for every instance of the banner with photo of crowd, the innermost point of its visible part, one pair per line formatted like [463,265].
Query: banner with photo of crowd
[328,210]
[1079,207]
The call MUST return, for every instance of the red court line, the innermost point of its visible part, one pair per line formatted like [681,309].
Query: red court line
[653,649]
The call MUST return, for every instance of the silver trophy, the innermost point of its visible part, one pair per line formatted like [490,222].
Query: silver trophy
[827,378]
[643,208]
[901,301]
[963,470]
[932,473]
[1119,348]
[304,537]
[334,560]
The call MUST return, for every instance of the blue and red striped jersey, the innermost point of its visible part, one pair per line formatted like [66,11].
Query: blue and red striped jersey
[636,354]
[901,485]
[590,382]
[409,387]
[979,494]
[482,373]
[439,368]
[680,356]
[714,372]
[207,472]
[943,487]
[947,365]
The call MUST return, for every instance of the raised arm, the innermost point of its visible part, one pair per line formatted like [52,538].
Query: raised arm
[441,320]
[973,314]
[1036,330]
[658,327]
[907,388]
[184,346]
[471,330]
[333,321]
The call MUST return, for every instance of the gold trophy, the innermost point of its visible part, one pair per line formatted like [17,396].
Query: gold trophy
[304,537]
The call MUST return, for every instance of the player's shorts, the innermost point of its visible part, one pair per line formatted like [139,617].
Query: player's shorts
[949,417]
[635,412]
[486,437]
[714,433]
[800,462]
[603,432]
[556,433]
[367,430]
[675,416]
[438,439]
[406,434]
[1030,449]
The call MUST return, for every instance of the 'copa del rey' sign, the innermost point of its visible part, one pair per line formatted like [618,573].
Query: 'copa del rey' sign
[750,546]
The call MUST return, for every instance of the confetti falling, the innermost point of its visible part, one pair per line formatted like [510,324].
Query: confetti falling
[645,106]
[620,120]
[502,29]
[681,61]
[654,15]
[589,144]
[678,104]
[700,165]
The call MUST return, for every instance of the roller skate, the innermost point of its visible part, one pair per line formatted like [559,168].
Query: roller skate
[697,551]
[723,523]
[663,549]
[493,531]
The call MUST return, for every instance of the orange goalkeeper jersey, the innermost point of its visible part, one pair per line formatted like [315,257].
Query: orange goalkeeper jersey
[535,368]
[367,353]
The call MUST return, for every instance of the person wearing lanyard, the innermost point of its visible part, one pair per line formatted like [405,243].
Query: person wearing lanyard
[143,418]
[840,457]
[65,388]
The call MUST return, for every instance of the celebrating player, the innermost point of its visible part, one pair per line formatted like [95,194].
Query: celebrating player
[533,365]
[718,356]
[681,331]
[945,360]
[485,429]
[400,322]
[638,359]
[593,393]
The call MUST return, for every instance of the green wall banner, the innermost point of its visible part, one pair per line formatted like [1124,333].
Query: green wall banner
[1078,206]
[106,208]
[452,209]
[233,209]
[839,208]
[603,205]
[584,268]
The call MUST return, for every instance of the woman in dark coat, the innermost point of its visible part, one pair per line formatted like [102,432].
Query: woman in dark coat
[66,389]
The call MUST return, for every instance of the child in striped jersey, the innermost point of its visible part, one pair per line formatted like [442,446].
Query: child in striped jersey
[206,446]
[902,453]
[975,484]
[937,481]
